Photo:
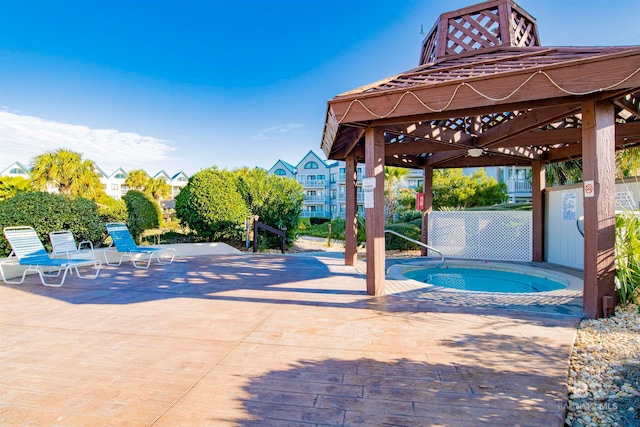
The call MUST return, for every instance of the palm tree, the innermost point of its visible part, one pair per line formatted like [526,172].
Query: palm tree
[570,172]
[12,185]
[65,171]
[628,162]
[137,179]
[392,178]
[158,188]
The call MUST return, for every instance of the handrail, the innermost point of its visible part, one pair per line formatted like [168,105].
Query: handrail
[419,244]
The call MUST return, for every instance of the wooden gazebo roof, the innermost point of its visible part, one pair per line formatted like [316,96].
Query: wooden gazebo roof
[484,82]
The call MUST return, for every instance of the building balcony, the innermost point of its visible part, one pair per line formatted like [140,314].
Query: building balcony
[315,214]
[517,186]
[313,183]
[315,199]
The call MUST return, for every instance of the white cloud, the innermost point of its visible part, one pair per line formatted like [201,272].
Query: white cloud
[24,137]
[274,131]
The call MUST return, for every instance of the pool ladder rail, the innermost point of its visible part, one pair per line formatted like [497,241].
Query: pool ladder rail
[419,244]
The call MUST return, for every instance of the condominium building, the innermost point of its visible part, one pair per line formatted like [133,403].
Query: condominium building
[113,183]
[324,184]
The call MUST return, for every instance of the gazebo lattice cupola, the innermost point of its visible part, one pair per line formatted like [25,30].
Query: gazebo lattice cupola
[479,27]
[486,93]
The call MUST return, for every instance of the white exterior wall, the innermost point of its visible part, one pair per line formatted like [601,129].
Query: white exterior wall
[564,245]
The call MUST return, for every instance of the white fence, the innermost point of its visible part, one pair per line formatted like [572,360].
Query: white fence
[564,244]
[490,235]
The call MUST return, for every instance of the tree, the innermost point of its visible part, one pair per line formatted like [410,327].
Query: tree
[158,188]
[136,179]
[211,205]
[628,162]
[65,171]
[275,199]
[144,213]
[451,188]
[12,185]
[392,178]
[570,172]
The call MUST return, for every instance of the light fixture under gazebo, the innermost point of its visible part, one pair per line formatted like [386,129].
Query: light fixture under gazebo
[475,152]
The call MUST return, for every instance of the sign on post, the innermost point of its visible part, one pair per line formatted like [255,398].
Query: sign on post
[368,185]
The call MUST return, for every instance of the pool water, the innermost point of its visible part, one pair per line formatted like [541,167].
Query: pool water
[484,280]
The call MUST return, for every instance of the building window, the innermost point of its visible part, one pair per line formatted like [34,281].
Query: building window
[17,171]
[120,175]
[311,165]
[311,193]
[280,172]
[182,179]
[114,187]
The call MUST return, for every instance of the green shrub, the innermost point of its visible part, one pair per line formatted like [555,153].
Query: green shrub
[628,256]
[144,213]
[211,205]
[393,242]
[47,212]
[316,221]
[276,200]
[112,210]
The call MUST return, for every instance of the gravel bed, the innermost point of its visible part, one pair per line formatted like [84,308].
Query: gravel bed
[604,378]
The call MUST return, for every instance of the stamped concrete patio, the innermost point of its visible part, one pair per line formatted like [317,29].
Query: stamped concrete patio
[243,339]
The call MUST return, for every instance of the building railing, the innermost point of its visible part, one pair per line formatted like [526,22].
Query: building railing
[315,199]
[343,197]
[312,182]
[315,214]
[518,186]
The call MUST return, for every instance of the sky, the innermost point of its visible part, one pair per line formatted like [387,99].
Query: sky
[183,85]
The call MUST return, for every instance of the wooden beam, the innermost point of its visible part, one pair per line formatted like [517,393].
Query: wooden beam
[538,184]
[523,123]
[598,163]
[374,164]
[351,214]
[630,103]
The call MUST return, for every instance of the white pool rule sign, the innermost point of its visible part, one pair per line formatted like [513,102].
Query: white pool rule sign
[589,189]
[368,185]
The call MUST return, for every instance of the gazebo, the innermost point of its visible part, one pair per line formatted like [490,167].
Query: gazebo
[486,93]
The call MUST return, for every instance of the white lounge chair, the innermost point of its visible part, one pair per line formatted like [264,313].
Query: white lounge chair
[123,242]
[64,243]
[27,249]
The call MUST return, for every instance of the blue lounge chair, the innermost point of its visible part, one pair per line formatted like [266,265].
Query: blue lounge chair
[27,249]
[123,242]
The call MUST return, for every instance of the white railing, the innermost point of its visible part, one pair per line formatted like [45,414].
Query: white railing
[312,182]
[518,186]
[489,235]
[315,214]
[315,199]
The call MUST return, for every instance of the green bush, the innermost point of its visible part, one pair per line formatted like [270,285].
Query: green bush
[47,212]
[211,205]
[628,256]
[393,242]
[317,221]
[112,210]
[144,213]
[276,200]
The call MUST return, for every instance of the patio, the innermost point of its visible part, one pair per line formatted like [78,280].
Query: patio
[244,339]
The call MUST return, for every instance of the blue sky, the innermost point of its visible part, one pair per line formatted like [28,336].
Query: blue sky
[181,85]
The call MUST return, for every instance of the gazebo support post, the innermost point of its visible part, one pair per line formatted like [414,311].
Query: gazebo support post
[374,160]
[538,183]
[427,189]
[351,220]
[598,163]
